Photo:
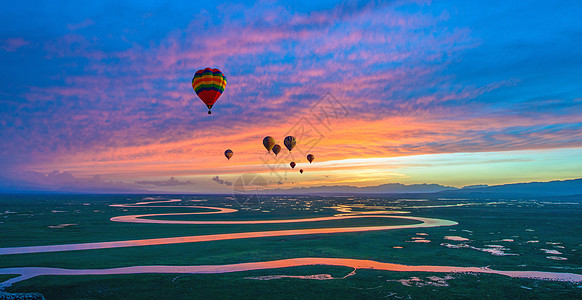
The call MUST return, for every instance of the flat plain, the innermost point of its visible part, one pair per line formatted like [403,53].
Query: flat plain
[500,234]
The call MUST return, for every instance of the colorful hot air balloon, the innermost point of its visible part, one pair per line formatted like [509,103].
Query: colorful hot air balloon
[269,143]
[290,142]
[301,171]
[228,153]
[209,85]
[276,149]
[310,157]
[292,164]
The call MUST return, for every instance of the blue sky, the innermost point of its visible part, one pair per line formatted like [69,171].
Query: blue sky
[103,88]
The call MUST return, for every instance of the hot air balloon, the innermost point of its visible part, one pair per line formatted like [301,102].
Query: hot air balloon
[209,85]
[301,171]
[290,142]
[228,153]
[292,164]
[276,149]
[269,143]
[310,157]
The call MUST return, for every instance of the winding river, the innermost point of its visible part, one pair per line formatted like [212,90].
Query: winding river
[30,272]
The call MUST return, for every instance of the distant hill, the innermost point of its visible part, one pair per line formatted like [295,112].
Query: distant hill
[535,189]
[63,182]
[541,189]
[476,186]
[389,188]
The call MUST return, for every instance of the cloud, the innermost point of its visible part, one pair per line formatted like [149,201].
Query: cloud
[13,44]
[85,23]
[221,181]
[170,182]
[148,80]
[116,98]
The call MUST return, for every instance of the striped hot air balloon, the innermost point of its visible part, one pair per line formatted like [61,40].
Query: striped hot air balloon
[290,142]
[209,85]
[276,149]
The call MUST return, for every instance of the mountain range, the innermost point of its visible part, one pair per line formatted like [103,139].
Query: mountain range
[550,188]
[64,182]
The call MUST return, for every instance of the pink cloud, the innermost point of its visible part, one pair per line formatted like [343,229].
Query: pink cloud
[139,115]
[73,45]
[13,44]
[84,24]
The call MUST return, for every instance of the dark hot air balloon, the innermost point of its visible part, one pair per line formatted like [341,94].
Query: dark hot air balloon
[228,153]
[209,85]
[301,171]
[269,143]
[292,164]
[310,157]
[290,142]
[276,149]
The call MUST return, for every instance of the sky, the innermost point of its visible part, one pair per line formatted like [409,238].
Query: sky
[448,92]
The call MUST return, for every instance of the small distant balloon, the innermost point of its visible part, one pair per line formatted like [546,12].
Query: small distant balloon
[209,84]
[310,157]
[292,164]
[228,153]
[276,149]
[290,142]
[301,171]
[269,143]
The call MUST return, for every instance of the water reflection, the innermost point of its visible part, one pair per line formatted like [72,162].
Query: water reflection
[423,222]
[30,272]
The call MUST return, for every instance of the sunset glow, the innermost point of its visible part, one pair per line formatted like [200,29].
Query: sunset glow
[403,92]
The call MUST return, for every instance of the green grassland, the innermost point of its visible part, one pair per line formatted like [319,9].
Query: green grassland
[556,226]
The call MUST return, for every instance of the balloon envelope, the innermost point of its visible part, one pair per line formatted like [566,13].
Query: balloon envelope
[276,149]
[292,164]
[269,143]
[228,153]
[310,157]
[290,142]
[209,84]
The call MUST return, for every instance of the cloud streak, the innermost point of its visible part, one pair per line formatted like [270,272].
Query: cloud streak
[112,97]
[170,182]
[13,44]
[221,181]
